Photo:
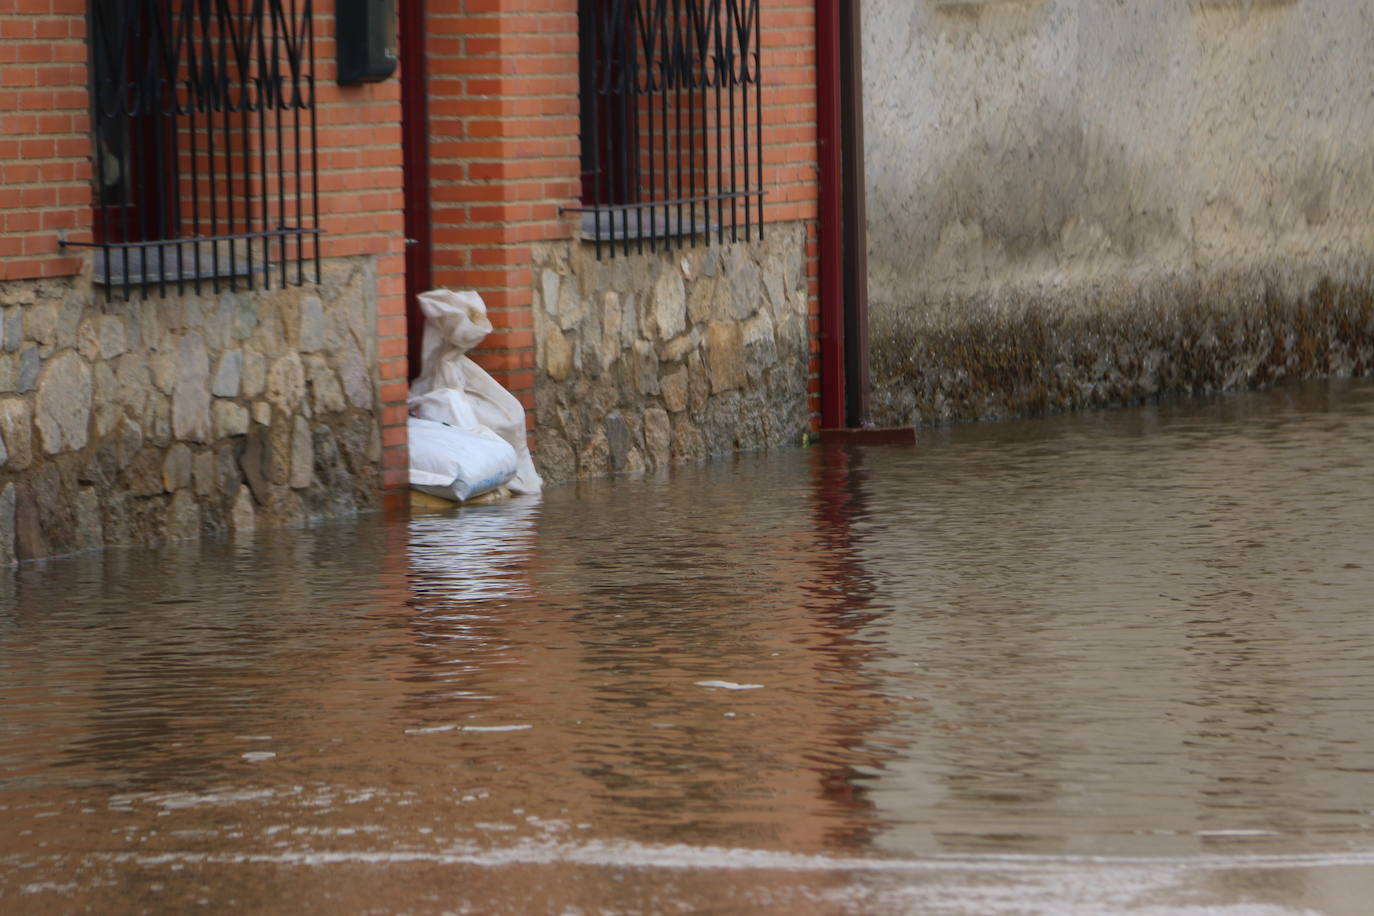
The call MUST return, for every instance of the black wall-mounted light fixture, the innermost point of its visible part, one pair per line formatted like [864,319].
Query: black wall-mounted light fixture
[365,40]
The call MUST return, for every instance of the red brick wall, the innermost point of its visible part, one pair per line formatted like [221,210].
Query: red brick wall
[504,150]
[45,173]
[44,142]
[362,212]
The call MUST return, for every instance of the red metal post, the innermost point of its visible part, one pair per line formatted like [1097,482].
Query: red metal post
[831,215]
[415,157]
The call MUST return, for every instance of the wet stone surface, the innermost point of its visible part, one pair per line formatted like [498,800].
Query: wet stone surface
[1106,662]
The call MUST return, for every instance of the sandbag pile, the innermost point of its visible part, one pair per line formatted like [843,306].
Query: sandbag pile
[467,433]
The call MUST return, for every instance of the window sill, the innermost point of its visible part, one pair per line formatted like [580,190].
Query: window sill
[149,265]
[628,225]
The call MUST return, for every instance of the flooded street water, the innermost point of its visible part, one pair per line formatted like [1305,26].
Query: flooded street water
[1119,661]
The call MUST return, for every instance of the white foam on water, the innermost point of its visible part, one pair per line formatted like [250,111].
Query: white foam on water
[682,856]
[729,685]
[436,729]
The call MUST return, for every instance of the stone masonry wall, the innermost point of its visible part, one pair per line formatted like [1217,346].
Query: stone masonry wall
[164,418]
[649,360]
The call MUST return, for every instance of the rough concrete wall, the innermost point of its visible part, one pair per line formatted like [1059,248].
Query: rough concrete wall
[1096,168]
[165,418]
[648,360]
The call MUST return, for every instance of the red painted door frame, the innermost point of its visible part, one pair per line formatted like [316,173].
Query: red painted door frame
[415,163]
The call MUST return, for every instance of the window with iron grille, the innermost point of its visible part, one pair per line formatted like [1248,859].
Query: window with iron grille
[671,111]
[204,160]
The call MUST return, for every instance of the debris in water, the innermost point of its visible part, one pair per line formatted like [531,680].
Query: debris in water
[729,685]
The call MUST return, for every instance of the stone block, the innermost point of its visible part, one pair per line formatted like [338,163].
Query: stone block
[90,530]
[775,287]
[14,329]
[16,427]
[183,517]
[357,308]
[203,473]
[243,517]
[107,417]
[228,375]
[191,395]
[62,407]
[701,301]
[670,303]
[176,468]
[760,347]
[554,459]
[673,385]
[330,464]
[552,351]
[143,476]
[744,284]
[629,320]
[256,462]
[7,506]
[548,290]
[227,472]
[29,542]
[311,324]
[327,394]
[231,419]
[673,350]
[646,367]
[132,380]
[88,340]
[618,442]
[164,370]
[302,455]
[571,307]
[9,372]
[594,460]
[725,355]
[157,421]
[56,509]
[286,383]
[355,377]
[104,384]
[245,316]
[30,363]
[611,318]
[254,374]
[262,413]
[658,437]
[698,383]
[217,320]
[40,323]
[113,336]
[688,444]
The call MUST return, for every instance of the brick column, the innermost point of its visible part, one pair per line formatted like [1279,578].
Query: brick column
[504,157]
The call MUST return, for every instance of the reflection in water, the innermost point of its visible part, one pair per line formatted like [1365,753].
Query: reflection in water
[815,681]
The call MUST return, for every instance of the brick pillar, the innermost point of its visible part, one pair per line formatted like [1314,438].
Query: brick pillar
[504,157]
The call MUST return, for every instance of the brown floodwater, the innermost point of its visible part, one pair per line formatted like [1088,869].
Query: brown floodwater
[1119,661]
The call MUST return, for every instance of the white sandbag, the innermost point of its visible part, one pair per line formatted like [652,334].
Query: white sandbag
[453,389]
[457,463]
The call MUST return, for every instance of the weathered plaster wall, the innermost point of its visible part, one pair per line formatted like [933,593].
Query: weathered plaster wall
[1102,176]
[164,418]
[648,360]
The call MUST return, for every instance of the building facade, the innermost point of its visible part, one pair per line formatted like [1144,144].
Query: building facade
[209,242]
[1074,203]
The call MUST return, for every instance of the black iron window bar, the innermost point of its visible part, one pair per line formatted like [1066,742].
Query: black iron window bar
[205,164]
[671,120]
